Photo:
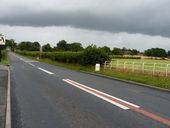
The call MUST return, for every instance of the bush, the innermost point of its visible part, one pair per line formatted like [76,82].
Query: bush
[93,55]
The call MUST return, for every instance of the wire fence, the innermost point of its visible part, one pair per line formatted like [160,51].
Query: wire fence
[159,69]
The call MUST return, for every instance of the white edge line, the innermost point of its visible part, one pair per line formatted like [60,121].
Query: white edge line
[108,100]
[136,106]
[8,107]
[45,71]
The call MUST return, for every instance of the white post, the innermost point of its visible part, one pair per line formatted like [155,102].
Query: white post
[143,67]
[124,65]
[110,65]
[105,65]
[154,66]
[117,64]
[167,69]
[133,66]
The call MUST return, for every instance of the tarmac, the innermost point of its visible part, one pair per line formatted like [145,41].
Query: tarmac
[3,96]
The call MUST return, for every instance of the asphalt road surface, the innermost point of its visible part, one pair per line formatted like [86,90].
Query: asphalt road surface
[46,96]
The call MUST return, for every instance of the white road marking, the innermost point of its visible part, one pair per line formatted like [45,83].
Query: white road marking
[101,95]
[31,64]
[25,60]
[119,102]
[45,71]
[136,106]
[8,102]
[29,61]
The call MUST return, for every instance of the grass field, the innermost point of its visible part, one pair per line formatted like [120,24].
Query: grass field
[144,65]
[144,60]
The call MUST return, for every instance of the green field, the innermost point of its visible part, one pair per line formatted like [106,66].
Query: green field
[145,60]
[149,65]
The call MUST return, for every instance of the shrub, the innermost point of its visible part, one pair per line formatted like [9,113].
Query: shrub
[93,55]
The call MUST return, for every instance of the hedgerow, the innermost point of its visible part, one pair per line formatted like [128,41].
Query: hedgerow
[90,56]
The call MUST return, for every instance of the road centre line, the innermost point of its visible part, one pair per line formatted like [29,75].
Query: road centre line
[25,60]
[31,64]
[45,71]
[118,102]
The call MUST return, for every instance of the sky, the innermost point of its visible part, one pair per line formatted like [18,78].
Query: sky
[139,24]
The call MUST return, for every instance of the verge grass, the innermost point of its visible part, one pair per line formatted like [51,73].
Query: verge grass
[4,60]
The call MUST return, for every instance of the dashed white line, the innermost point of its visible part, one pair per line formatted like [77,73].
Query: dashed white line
[45,71]
[31,64]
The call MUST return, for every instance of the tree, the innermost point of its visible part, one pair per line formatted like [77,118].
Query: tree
[156,52]
[106,49]
[25,45]
[134,52]
[117,51]
[75,47]
[35,46]
[11,44]
[62,45]
[169,53]
[46,48]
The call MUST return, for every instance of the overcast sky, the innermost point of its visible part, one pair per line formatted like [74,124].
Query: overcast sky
[139,24]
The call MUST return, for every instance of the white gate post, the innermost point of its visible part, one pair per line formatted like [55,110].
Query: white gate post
[110,65]
[154,66]
[143,67]
[105,65]
[117,64]
[167,69]
[124,65]
[133,66]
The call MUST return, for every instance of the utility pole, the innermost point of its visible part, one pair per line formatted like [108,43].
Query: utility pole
[41,50]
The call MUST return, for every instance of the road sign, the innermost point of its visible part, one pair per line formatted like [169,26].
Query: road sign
[2,40]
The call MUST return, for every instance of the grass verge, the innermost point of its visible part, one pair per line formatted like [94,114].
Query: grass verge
[4,60]
[161,82]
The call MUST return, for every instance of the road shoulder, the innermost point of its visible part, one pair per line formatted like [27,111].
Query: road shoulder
[5,97]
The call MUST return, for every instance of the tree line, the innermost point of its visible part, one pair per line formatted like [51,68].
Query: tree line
[76,47]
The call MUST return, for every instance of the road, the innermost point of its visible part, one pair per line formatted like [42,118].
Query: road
[46,96]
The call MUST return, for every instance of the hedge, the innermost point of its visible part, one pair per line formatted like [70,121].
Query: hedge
[89,56]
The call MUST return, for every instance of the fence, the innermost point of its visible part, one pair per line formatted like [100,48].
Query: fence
[160,69]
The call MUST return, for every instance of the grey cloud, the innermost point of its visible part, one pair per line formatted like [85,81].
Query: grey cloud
[150,19]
